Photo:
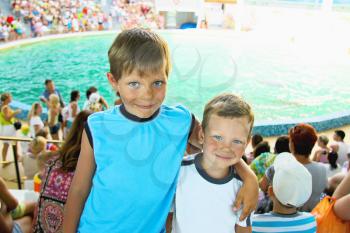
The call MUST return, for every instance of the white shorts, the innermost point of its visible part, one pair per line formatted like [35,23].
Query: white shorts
[7,131]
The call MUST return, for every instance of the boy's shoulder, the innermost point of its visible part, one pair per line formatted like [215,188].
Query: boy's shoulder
[188,160]
[176,109]
[267,217]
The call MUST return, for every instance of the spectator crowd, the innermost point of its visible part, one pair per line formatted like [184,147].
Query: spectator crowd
[35,18]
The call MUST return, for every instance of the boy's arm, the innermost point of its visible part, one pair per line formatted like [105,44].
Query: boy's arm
[80,187]
[248,194]
[194,137]
[239,229]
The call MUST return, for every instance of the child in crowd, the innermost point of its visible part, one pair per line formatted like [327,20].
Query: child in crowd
[32,159]
[57,178]
[208,182]
[14,217]
[44,132]
[70,112]
[126,179]
[291,188]
[256,139]
[322,153]
[35,122]
[54,110]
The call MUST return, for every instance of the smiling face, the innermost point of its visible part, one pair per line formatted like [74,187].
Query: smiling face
[224,141]
[142,95]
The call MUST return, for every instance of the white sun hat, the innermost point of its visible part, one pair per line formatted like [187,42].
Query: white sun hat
[292,182]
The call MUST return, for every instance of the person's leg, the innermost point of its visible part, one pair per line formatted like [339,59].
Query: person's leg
[5,147]
[25,224]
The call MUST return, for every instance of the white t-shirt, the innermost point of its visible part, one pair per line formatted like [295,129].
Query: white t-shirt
[35,120]
[204,204]
[342,152]
[330,171]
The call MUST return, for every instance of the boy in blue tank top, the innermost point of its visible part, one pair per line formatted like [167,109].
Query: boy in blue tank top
[126,176]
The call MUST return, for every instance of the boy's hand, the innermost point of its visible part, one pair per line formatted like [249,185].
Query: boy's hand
[248,195]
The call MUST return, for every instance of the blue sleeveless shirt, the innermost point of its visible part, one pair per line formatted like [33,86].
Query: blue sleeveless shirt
[137,165]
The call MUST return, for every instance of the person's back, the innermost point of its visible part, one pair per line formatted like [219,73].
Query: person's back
[343,150]
[319,184]
[290,189]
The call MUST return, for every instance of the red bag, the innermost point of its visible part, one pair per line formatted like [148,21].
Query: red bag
[327,221]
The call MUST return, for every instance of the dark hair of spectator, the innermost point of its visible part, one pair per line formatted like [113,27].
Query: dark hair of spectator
[332,158]
[256,139]
[262,147]
[340,133]
[282,144]
[90,91]
[74,95]
[303,138]
[47,81]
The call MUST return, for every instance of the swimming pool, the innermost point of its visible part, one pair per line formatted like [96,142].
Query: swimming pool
[283,78]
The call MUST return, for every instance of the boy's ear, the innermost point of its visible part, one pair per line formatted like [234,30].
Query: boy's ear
[112,80]
[201,135]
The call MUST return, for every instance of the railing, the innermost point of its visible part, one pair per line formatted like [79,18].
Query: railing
[15,159]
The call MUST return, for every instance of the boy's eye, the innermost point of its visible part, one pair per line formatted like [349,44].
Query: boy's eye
[158,83]
[134,84]
[237,142]
[218,138]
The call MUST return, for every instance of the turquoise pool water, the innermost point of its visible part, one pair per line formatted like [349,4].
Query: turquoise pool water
[282,77]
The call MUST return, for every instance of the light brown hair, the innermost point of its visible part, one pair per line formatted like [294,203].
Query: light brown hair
[230,106]
[138,49]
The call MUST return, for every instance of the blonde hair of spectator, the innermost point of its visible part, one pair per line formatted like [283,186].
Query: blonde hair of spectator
[33,110]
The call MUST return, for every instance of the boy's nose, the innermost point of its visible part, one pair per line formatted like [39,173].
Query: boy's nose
[148,93]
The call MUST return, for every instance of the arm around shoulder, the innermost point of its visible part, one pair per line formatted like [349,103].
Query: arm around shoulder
[80,187]
[249,192]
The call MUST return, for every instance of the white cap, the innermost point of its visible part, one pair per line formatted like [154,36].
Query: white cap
[94,97]
[292,182]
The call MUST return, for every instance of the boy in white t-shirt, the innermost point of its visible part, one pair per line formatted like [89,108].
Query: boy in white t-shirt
[208,182]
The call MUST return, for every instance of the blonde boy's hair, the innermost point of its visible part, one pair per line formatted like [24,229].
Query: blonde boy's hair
[54,100]
[229,106]
[38,144]
[138,49]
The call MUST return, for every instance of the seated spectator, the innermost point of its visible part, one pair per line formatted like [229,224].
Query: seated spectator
[340,146]
[332,166]
[302,139]
[266,159]
[262,147]
[321,155]
[9,207]
[57,179]
[44,132]
[290,188]
[31,160]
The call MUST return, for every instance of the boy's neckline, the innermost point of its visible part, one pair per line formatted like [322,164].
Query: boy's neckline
[285,215]
[201,171]
[132,117]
